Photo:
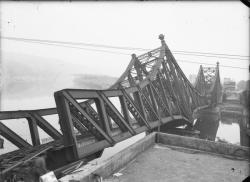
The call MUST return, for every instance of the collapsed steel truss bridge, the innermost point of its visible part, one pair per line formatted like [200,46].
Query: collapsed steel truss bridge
[152,94]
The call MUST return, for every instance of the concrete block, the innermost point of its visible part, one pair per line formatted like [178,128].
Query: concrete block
[204,145]
[114,163]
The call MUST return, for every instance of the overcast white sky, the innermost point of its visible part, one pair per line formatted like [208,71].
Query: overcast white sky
[218,27]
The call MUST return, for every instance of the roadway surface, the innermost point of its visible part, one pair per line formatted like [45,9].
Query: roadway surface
[162,163]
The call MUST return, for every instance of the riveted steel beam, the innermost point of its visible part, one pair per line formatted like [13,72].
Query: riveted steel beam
[80,109]
[46,126]
[116,116]
[104,120]
[135,111]
[150,108]
[13,137]
[66,123]
[33,131]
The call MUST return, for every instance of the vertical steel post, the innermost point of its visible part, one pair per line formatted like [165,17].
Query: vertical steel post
[101,110]
[152,98]
[140,104]
[66,123]
[124,109]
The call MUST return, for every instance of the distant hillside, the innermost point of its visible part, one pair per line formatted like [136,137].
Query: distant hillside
[31,76]
[93,81]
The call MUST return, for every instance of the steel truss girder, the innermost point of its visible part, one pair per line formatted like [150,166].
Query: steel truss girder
[169,85]
[135,111]
[159,90]
[115,115]
[152,110]
[166,100]
[160,99]
[92,126]
[46,126]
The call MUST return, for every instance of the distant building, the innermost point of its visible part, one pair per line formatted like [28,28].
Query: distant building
[229,85]
[192,78]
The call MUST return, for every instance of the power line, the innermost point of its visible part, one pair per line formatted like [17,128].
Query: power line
[120,53]
[76,43]
[202,54]
[234,55]
[102,46]
[194,62]
[221,57]
[75,47]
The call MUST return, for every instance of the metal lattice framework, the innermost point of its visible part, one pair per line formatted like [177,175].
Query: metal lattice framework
[152,92]
[208,83]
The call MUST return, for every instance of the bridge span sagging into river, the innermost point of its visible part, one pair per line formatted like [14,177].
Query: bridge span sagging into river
[153,94]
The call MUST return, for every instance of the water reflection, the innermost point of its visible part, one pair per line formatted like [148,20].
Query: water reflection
[228,132]
[225,129]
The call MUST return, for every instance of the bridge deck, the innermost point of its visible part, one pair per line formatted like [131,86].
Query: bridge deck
[176,164]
